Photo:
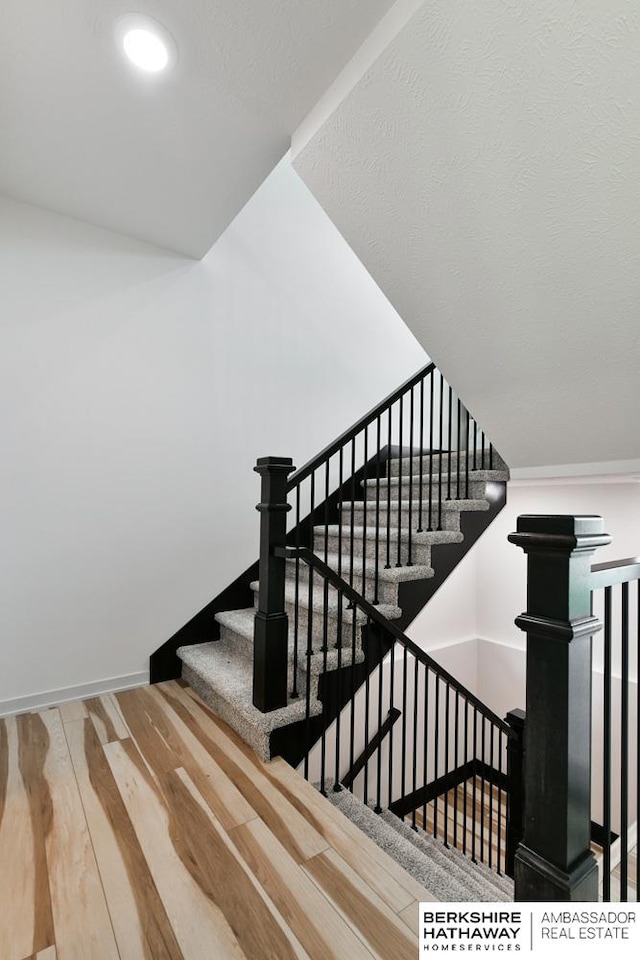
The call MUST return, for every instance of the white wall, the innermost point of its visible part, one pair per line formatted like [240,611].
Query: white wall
[137,389]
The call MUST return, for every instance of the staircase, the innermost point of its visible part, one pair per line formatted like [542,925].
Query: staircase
[378,521]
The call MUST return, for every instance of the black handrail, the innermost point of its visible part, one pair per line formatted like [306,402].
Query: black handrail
[613,572]
[296,478]
[374,614]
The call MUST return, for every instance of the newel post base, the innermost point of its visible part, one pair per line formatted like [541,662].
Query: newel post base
[271,624]
[554,861]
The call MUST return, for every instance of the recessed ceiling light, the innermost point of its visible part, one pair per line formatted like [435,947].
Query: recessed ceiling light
[146,43]
[146,50]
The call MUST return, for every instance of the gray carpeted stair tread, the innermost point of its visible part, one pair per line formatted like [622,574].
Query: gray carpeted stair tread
[433,874]
[392,575]
[447,506]
[224,680]
[403,465]
[487,883]
[428,537]
[240,625]
[437,479]
[385,609]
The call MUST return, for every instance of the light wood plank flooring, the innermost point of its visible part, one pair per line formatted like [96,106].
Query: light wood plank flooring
[138,826]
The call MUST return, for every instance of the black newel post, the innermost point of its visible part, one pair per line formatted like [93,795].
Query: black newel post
[515,776]
[271,625]
[554,861]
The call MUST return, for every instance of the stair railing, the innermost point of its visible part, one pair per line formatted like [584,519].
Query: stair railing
[444,764]
[349,493]
[582,723]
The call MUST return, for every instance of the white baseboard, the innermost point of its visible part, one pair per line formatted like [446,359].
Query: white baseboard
[52,698]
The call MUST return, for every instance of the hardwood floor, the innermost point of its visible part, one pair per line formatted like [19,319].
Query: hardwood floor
[138,826]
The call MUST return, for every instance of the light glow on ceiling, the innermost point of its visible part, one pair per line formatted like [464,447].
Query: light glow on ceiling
[146,43]
[146,50]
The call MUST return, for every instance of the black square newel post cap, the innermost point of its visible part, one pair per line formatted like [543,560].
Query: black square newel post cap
[274,464]
[563,532]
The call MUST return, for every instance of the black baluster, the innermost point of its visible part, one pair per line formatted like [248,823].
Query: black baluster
[456,734]
[606,759]
[436,753]
[624,746]
[403,777]
[449,445]
[336,785]
[378,806]
[491,760]
[367,702]
[377,543]
[440,438]
[388,563]
[458,450]
[353,512]
[466,459]
[409,562]
[414,746]
[363,589]
[446,763]
[296,601]
[475,444]
[483,788]
[400,484]
[474,790]
[420,496]
[465,817]
[340,488]
[425,746]
[499,851]
[391,732]
[431,428]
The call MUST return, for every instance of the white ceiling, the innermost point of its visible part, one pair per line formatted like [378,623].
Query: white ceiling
[171,158]
[485,169]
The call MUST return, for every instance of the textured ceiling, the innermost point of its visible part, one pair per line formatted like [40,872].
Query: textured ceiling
[486,171]
[167,158]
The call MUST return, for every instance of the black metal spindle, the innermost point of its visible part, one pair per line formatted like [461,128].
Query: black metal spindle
[339,678]
[367,705]
[363,589]
[449,445]
[425,745]
[411,404]
[464,786]
[436,748]
[458,450]
[483,787]
[352,719]
[466,459]
[474,789]
[456,734]
[340,485]
[377,539]
[392,667]
[482,449]
[403,758]
[446,763]
[606,759]
[388,563]
[624,745]
[353,512]
[420,494]
[440,439]
[491,759]
[414,745]
[400,483]
[325,623]
[490,456]
[475,444]
[431,430]
[499,850]
[378,806]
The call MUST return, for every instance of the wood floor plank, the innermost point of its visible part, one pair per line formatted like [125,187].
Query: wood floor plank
[33,747]
[221,873]
[378,926]
[82,925]
[73,710]
[249,775]
[17,856]
[411,916]
[226,801]
[389,880]
[199,925]
[141,926]
[48,954]
[318,926]
[106,718]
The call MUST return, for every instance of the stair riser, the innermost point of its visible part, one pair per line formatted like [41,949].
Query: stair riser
[405,519]
[387,592]
[317,629]
[405,466]
[420,553]
[244,646]
[412,491]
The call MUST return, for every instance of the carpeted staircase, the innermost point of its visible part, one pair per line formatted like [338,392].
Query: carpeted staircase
[390,522]
[446,872]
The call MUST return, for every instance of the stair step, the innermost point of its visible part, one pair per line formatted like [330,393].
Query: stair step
[411,513]
[488,885]
[223,678]
[332,608]
[478,479]
[364,541]
[237,627]
[440,874]
[405,465]
[389,580]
